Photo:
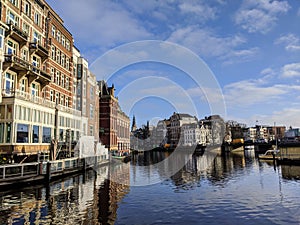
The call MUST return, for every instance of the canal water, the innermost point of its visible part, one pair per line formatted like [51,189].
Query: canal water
[212,188]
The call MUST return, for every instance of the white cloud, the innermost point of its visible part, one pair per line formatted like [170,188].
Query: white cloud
[207,44]
[284,117]
[201,10]
[291,70]
[250,92]
[291,42]
[260,16]
[101,23]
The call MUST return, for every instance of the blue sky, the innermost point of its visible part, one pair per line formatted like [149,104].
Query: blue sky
[252,48]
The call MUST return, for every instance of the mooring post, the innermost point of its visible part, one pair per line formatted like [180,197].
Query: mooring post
[48,173]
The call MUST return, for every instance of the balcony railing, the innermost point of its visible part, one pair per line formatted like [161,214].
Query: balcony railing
[27,97]
[17,64]
[68,110]
[39,49]
[16,33]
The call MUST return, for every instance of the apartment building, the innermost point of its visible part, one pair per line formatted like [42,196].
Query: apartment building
[176,128]
[37,79]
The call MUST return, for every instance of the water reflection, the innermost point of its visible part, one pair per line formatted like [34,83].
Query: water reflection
[211,188]
[91,198]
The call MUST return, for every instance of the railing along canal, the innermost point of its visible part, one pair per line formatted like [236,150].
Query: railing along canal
[18,170]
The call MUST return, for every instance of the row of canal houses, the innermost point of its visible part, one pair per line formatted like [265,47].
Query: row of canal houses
[181,129]
[48,95]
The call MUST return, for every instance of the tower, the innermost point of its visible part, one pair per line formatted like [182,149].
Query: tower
[133,127]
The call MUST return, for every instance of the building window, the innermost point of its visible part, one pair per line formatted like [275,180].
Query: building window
[35,134]
[37,37]
[26,28]
[23,86]
[1,38]
[34,89]
[92,93]
[11,48]
[51,96]
[67,63]
[53,31]
[67,83]
[22,133]
[12,18]
[14,2]
[52,74]
[63,40]
[62,60]
[57,77]
[37,19]
[84,90]
[75,69]
[91,130]
[46,135]
[27,9]
[36,62]
[57,98]
[67,102]
[68,45]
[62,82]
[24,54]
[58,56]
[53,52]
[91,111]
[62,98]
[58,36]
[9,83]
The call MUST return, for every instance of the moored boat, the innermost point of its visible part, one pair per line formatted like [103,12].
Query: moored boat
[270,155]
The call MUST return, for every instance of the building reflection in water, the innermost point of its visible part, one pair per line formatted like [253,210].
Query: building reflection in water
[94,198]
[217,168]
[83,199]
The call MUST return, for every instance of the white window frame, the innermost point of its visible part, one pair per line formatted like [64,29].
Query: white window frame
[52,52]
[62,80]
[12,18]
[58,36]
[53,31]
[57,77]
[35,89]
[27,9]
[11,47]
[36,61]
[37,18]
[51,96]
[9,79]
[2,36]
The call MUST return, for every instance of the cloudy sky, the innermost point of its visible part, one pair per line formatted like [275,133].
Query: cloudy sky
[251,48]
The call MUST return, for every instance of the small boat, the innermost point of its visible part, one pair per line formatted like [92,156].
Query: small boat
[121,156]
[270,155]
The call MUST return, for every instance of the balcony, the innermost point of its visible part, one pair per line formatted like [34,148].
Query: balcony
[17,34]
[16,64]
[38,49]
[68,110]
[27,97]
[22,67]
[36,74]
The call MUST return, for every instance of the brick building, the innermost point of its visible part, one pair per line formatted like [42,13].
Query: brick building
[114,124]
[36,79]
